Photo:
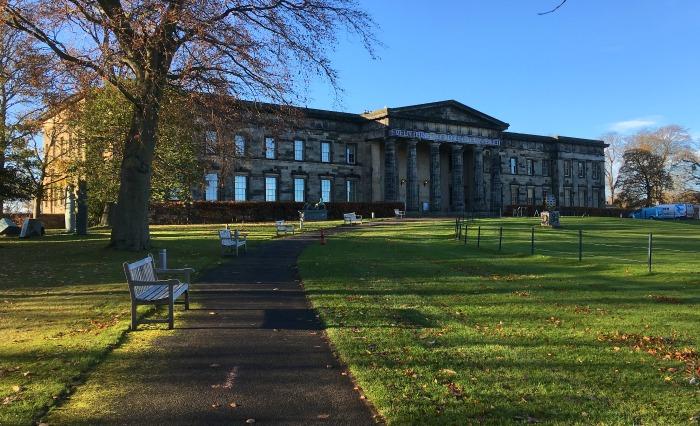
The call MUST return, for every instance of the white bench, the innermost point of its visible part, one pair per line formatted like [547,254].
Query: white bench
[400,214]
[282,227]
[351,218]
[230,243]
[146,289]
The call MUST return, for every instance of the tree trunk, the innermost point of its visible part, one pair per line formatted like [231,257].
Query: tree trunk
[36,204]
[130,230]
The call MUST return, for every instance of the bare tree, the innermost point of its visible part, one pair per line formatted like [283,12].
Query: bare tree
[254,49]
[613,161]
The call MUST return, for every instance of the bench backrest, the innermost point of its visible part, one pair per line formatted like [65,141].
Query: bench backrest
[279,223]
[396,211]
[349,216]
[141,270]
[224,234]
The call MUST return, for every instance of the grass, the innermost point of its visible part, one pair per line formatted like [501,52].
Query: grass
[440,332]
[64,306]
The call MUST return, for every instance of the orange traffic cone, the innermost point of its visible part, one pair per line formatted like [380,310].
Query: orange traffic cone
[323,238]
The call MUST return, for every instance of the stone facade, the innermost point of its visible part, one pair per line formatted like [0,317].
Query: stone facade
[441,157]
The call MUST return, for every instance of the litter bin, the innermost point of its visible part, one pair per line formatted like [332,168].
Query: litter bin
[426,206]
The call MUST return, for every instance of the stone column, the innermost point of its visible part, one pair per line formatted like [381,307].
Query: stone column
[457,178]
[391,192]
[435,178]
[479,179]
[412,177]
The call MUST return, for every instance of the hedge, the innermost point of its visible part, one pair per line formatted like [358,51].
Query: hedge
[175,213]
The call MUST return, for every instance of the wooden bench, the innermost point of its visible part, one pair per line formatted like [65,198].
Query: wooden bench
[230,243]
[400,214]
[351,218]
[146,289]
[282,227]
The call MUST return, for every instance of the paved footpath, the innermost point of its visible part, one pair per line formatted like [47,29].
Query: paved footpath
[255,342]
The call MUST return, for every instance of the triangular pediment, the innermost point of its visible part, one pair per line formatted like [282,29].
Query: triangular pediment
[447,111]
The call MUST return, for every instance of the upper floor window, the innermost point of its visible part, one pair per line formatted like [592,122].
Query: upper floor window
[239,145]
[581,169]
[530,167]
[298,150]
[270,148]
[513,166]
[326,152]
[567,168]
[595,171]
[212,191]
[240,188]
[210,141]
[350,153]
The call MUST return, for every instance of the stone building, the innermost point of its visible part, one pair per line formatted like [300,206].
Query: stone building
[438,157]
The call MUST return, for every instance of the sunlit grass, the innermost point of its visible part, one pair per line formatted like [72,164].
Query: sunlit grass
[64,304]
[437,331]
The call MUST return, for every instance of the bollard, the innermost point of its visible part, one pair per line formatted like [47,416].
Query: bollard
[532,240]
[650,249]
[500,238]
[478,237]
[580,244]
[163,258]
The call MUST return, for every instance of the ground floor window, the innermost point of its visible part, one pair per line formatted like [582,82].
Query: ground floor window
[212,180]
[530,196]
[299,190]
[596,198]
[567,197]
[514,194]
[582,202]
[270,189]
[240,188]
[326,190]
[351,191]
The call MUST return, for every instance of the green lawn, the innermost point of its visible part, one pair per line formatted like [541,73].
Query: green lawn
[64,306]
[439,332]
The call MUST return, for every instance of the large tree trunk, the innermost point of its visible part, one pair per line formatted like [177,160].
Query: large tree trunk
[36,204]
[130,230]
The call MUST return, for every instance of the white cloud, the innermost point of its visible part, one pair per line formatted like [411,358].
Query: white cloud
[633,124]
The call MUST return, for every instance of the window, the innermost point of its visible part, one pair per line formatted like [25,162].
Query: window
[582,202]
[326,152]
[210,139]
[270,148]
[567,168]
[240,188]
[298,150]
[270,189]
[595,171]
[513,166]
[544,196]
[326,190]
[299,190]
[239,145]
[596,197]
[514,194]
[350,153]
[581,169]
[545,167]
[530,167]
[487,161]
[212,190]
[530,196]
[351,191]
[567,197]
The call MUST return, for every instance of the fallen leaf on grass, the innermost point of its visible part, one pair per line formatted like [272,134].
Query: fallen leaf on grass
[323,416]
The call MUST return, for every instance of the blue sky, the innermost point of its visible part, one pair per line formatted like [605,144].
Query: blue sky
[592,67]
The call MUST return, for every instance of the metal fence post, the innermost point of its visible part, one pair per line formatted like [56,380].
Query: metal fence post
[651,237]
[532,240]
[466,229]
[478,237]
[500,238]
[580,244]
[456,221]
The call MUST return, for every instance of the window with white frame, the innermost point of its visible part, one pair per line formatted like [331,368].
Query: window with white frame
[212,191]
[270,148]
[299,190]
[270,188]
[325,152]
[530,167]
[513,166]
[581,169]
[514,195]
[326,190]
[239,145]
[567,169]
[530,195]
[240,188]
[298,150]
[350,153]
[351,191]
[595,171]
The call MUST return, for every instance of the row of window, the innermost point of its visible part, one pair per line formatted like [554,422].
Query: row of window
[530,168]
[270,148]
[569,199]
[240,189]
